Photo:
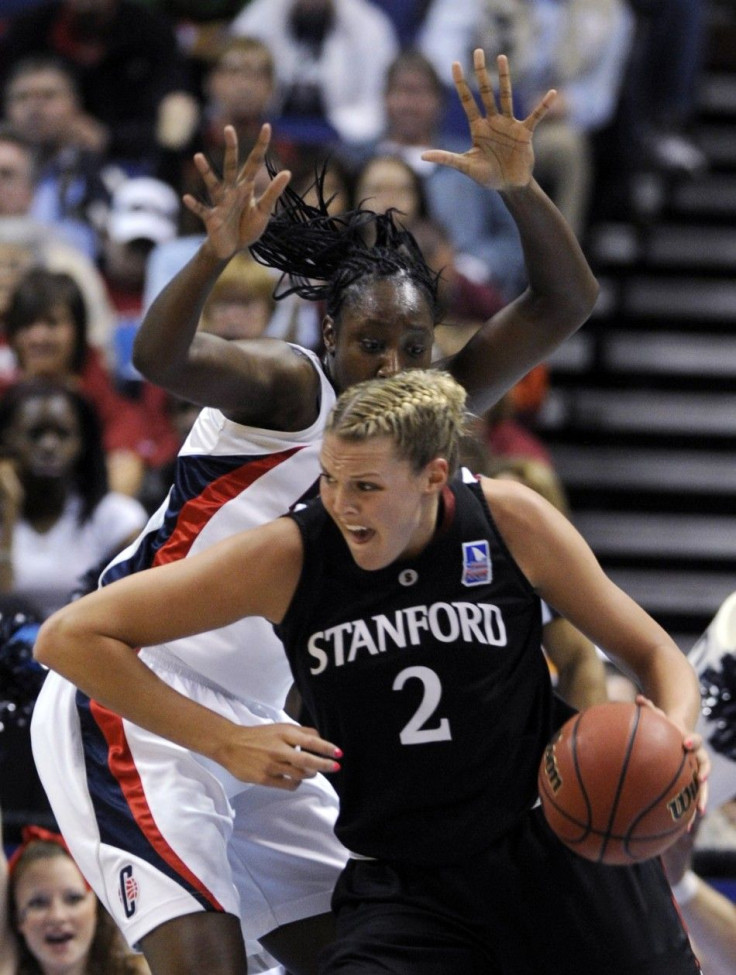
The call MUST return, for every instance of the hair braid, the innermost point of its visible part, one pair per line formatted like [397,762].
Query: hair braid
[323,255]
[422,410]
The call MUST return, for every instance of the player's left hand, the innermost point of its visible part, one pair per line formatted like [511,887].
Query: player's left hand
[501,156]
[691,742]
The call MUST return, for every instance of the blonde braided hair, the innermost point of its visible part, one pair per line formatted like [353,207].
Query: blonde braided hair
[421,410]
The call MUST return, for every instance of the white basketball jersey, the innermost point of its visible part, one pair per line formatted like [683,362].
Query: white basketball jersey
[228,478]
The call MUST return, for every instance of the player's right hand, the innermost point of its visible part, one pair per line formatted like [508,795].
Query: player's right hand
[236,215]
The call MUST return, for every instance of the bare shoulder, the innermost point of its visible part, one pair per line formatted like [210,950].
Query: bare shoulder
[514,506]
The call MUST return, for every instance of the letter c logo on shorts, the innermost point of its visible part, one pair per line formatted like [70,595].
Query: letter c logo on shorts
[128,890]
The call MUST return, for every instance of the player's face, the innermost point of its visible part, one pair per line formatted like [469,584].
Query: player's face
[387,329]
[57,914]
[383,507]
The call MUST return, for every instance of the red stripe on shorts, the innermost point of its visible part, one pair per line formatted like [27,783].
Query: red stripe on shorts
[122,767]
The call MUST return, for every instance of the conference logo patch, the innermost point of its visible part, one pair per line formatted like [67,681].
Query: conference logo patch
[477,569]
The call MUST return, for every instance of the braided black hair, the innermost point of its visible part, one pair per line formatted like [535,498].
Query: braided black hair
[322,255]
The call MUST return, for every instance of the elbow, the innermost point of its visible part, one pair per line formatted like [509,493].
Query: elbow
[146,363]
[590,296]
[582,302]
[577,306]
[48,648]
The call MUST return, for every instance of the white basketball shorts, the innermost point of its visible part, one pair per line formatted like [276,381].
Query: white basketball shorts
[160,832]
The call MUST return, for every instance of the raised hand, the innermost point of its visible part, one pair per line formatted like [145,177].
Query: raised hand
[501,155]
[236,215]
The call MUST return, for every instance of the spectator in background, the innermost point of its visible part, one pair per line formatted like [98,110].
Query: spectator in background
[579,47]
[42,103]
[132,76]
[239,89]
[9,947]
[58,516]
[241,302]
[651,133]
[506,435]
[407,17]
[201,27]
[144,211]
[477,221]
[331,58]
[662,87]
[465,301]
[25,241]
[46,326]
[42,895]
[384,182]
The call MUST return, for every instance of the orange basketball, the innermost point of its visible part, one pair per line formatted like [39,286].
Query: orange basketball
[616,784]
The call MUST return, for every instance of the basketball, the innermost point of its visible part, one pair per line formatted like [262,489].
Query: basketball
[616,784]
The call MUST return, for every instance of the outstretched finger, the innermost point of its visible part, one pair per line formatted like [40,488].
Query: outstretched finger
[196,206]
[540,110]
[230,159]
[485,88]
[505,95]
[273,191]
[464,93]
[257,155]
[204,169]
[454,160]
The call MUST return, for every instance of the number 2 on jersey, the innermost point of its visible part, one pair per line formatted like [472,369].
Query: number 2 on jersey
[415,731]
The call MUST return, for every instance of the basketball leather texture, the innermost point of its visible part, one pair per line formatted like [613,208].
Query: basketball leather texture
[616,783]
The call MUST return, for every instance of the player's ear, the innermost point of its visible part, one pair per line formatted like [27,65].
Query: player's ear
[329,334]
[437,473]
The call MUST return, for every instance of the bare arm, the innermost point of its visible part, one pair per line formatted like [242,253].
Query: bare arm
[92,641]
[560,565]
[260,382]
[581,676]
[562,288]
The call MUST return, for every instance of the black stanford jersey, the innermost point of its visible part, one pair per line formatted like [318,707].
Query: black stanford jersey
[429,675]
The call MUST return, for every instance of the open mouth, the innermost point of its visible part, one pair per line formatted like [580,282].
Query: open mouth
[60,938]
[359,534]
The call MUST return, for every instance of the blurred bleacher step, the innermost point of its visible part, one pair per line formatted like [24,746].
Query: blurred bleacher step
[641,416]
[704,475]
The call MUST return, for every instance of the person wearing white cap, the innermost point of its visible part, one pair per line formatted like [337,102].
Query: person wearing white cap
[144,212]
[143,208]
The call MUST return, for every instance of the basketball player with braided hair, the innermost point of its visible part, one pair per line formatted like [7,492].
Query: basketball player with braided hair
[408,600]
[226,853]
